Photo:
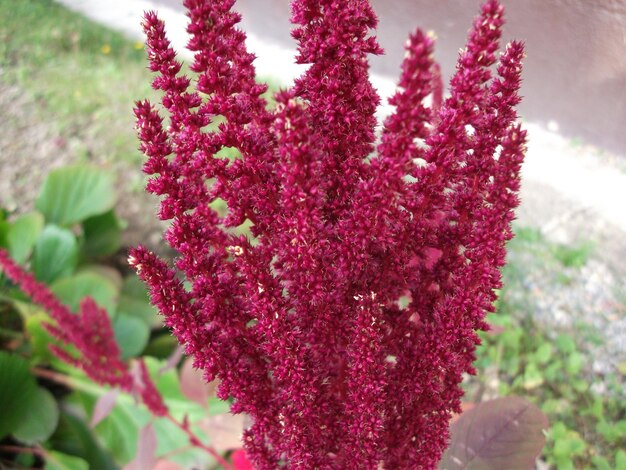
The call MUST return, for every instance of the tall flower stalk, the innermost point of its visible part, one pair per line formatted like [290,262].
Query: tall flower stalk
[343,322]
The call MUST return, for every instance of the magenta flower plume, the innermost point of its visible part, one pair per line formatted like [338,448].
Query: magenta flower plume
[86,339]
[89,331]
[338,298]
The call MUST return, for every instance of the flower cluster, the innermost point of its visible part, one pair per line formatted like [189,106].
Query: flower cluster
[86,339]
[338,298]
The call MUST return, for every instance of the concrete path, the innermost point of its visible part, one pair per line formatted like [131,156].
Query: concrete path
[571,191]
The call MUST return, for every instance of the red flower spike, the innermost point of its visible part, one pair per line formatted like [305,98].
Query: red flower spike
[343,323]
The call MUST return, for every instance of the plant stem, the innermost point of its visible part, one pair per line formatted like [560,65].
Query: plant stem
[95,390]
[24,450]
[196,442]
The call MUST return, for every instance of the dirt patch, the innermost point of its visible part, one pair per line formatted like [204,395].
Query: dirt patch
[31,146]
[28,150]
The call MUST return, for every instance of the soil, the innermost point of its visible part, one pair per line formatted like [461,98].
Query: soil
[30,147]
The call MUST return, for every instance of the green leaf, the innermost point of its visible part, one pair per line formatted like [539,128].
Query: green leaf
[131,335]
[119,432]
[161,346]
[4,231]
[620,460]
[18,390]
[56,254]
[41,419]
[75,193]
[103,235]
[73,437]
[569,445]
[557,431]
[40,339]
[565,344]
[611,432]
[574,363]
[72,290]
[596,409]
[112,274]
[23,234]
[532,377]
[600,463]
[580,385]
[134,302]
[58,461]
[543,353]
[555,406]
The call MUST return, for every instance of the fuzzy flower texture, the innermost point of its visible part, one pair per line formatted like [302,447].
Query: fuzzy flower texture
[337,298]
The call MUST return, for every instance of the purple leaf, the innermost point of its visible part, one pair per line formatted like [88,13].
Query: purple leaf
[167,465]
[502,433]
[104,406]
[146,450]
[193,385]
[225,430]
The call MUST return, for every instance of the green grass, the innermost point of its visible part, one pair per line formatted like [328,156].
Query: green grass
[83,77]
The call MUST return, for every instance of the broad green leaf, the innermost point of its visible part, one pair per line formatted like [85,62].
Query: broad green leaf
[167,382]
[119,432]
[174,445]
[569,446]
[56,254]
[161,346]
[39,338]
[41,419]
[23,234]
[74,437]
[75,193]
[58,461]
[18,390]
[131,335]
[71,290]
[502,433]
[134,302]
[558,430]
[103,235]
[112,274]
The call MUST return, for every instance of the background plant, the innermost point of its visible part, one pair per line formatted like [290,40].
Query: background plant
[54,412]
[551,368]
